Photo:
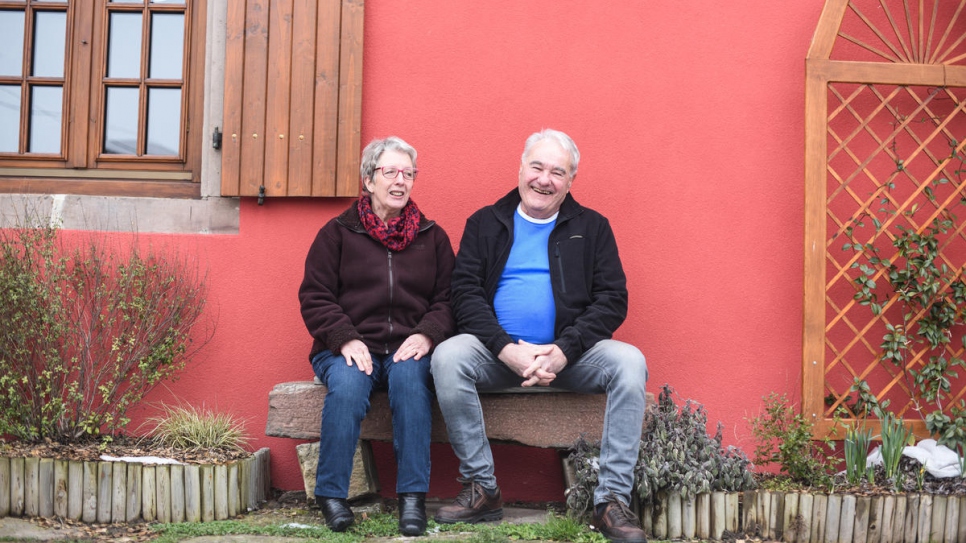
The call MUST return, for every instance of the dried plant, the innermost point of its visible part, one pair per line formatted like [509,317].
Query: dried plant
[584,459]
[678,455]
[190,428]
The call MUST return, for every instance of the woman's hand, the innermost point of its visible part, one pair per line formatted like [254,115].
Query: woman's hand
[414,347]
[356,352]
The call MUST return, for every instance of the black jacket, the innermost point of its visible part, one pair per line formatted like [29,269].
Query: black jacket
[589,286]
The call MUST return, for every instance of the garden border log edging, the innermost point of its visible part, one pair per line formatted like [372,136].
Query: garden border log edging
[809,517]
[117,491]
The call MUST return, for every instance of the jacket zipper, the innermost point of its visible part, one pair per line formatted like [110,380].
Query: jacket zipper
[556,254]
[359,229]
[391,290]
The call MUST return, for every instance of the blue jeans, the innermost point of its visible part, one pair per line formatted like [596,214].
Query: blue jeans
[346,404]
[463,367]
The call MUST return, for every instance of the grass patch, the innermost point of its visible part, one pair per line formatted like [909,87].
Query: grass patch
[172,533]
[557,528]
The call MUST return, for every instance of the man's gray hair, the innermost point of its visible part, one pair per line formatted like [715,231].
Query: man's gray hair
[562,139]
[375,149]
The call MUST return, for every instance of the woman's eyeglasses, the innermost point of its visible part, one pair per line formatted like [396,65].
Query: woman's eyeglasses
[391,172]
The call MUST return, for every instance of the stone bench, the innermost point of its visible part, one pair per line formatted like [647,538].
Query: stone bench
[295,410]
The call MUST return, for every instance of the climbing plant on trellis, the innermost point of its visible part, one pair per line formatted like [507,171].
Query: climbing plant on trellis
[885,173]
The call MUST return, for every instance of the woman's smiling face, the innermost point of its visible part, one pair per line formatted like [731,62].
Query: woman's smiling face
[390,195]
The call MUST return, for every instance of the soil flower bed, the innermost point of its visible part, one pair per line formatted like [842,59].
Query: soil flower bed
[913,479]
[121,446]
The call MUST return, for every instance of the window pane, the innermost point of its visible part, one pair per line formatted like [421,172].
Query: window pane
[164,121]
[124,49]
[11,43]
[46,104]
[167,1]
[9,118]
[50,35]
[167,43]
[127,1]
[121,121]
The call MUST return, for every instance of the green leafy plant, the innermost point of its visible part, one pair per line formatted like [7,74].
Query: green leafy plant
[919,297]
[866,403]
[676,455]
[857,439]
[784,438]
[193,428]
[89,327]
[895,436]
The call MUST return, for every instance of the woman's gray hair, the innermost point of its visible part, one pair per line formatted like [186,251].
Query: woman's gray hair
[375,149]
[562,139]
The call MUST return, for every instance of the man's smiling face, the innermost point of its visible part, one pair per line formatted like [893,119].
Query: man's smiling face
[544,179]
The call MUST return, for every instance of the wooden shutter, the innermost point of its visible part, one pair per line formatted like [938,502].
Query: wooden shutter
[293,94]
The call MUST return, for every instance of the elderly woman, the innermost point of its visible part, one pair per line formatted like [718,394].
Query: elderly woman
[375,298]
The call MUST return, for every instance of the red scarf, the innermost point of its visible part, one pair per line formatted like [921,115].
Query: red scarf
[398,232]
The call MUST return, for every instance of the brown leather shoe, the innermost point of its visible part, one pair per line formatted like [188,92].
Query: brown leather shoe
[617,523]
[473,504]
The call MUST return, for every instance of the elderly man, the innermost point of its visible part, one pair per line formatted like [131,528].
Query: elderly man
[538,291]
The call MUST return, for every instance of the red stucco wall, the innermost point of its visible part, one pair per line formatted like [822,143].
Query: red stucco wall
[689,117]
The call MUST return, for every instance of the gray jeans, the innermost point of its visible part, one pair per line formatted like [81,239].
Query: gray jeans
[463,367]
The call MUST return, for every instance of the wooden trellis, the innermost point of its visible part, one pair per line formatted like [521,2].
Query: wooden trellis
[885,127]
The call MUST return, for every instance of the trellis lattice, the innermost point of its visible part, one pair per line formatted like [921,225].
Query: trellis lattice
[885,151]
[886,169]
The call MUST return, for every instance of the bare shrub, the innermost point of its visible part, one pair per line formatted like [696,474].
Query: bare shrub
[89,326]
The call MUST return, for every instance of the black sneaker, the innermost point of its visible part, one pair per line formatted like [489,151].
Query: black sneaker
[616,522]
[473,504]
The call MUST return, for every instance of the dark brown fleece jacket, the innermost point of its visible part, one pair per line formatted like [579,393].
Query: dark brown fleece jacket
[356,288]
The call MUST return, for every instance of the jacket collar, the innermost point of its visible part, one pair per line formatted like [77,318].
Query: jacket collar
[507,206]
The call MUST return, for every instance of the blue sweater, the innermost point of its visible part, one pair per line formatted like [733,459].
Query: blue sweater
[524,298]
